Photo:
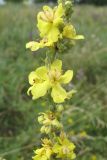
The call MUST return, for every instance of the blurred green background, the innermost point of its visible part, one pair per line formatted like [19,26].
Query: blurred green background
[86,115]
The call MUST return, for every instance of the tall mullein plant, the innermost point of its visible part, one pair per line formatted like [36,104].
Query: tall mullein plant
[57,34]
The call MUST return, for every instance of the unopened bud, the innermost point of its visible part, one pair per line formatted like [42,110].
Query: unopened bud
[68,3]
[40,119]
[60,108]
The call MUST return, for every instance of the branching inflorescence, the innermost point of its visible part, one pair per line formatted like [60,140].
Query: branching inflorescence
[57,34]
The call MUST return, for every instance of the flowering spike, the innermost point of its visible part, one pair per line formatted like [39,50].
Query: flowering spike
[49,80]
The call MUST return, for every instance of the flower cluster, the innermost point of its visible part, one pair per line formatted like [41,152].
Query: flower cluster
[59,147]
[53,27]
[64,148]
[50,80]
[49,122]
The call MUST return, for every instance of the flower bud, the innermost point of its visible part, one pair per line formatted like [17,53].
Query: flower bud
[68,3]
[60,108]
[40,119]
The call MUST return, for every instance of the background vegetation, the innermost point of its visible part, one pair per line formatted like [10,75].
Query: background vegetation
[95,2]
[86,115]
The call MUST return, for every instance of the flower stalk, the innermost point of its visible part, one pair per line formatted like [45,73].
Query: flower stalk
[57,35]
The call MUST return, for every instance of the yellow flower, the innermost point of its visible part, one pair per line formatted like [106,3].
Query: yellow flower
[70,32]
[49,21]
[34,46]
[45,152]
[64,148]
[49,121]
[44,79]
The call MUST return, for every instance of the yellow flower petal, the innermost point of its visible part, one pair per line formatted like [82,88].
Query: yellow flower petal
[33,77]
[70,32]
[48,9]
[73,156]
[36,157]
[67,77]
[42,72]
[48,153]
[29,90]
[58,22]
[59,11]
[57,64]
[79,37]
[58,94]
[39,90]
[39,151]
[33,45]
[41,25]
[53,34]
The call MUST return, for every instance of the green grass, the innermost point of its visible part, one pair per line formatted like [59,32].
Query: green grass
[19,131]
